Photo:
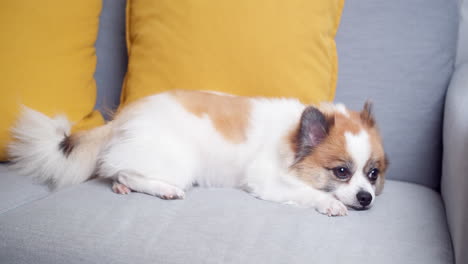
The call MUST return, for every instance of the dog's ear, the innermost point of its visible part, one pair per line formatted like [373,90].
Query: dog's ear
[366,114]
[313,129]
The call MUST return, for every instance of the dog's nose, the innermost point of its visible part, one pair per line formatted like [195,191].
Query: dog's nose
[364,198]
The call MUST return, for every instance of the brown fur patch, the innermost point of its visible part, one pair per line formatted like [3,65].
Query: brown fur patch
[315,168]
[229,114]
[366,114]
[379,155]
[68,144]
[86,140]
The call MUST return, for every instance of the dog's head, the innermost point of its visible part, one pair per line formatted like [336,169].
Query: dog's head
[340,152]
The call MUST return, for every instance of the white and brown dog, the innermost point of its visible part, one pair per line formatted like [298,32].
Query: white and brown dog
[280,150]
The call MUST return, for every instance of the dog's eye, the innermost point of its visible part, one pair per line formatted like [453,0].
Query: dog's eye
[373,174]
[341,173]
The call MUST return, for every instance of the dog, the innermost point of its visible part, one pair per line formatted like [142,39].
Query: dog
[324,157]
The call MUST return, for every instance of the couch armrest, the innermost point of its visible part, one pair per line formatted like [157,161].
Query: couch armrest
[455,162]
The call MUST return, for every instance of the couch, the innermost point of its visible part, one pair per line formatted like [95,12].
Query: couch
[402,54]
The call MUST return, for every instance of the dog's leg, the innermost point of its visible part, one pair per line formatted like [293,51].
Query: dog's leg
[303,196]
[281,187]
[158,188]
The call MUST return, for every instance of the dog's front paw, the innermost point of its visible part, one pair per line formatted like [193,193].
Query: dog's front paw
[171,193]
[331,207]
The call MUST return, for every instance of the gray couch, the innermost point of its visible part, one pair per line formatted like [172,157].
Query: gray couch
[400,53]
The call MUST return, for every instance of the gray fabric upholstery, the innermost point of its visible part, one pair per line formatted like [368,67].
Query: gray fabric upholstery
[400,54]
[455,162]
[88,223]
[111,55]
[16,191]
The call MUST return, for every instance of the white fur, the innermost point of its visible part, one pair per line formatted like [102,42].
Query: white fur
[359,147]
[35,150]
[188,149]
[341,108]
[157,147]
[331,108]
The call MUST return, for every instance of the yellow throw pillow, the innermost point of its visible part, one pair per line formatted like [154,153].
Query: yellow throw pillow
[47,60]
[245,47]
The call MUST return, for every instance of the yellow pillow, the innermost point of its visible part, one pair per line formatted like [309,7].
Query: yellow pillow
[48,60]
[245,47]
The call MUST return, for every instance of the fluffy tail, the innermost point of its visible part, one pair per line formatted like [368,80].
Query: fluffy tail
[44,149]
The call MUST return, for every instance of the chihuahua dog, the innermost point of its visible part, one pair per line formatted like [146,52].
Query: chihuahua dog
[324,157]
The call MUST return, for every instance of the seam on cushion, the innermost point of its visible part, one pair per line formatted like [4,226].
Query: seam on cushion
[129,48]
[334,53]
[27,201]
[95,60]
[49,194]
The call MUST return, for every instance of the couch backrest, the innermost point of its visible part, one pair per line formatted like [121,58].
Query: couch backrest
[111,54]
[398,53]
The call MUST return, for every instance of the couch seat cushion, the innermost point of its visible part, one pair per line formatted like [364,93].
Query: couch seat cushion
[16,191]
[90,224]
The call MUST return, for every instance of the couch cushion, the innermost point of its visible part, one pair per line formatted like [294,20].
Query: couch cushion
[90,224]
[16,191]
[47,61]
[401,55]
[271,48]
